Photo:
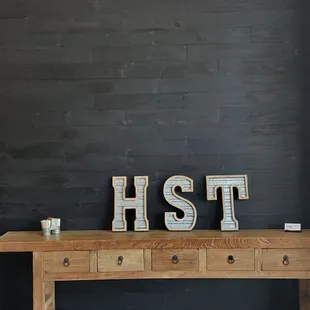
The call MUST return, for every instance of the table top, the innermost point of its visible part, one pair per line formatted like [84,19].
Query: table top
[33,241]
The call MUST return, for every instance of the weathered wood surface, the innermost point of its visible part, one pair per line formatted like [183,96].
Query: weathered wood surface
[50,295]
[77,261]
[38,282]
[95,240]
[185,260]
[243,259]
[178,275]
[131,260]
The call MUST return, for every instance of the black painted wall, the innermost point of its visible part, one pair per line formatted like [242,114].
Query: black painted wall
[305,96]
[92,89]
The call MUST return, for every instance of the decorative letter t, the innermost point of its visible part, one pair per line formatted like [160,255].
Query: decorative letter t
[227,183]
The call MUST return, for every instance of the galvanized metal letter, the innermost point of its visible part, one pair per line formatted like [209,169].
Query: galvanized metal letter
[227,183]
[139,203]
[190,214]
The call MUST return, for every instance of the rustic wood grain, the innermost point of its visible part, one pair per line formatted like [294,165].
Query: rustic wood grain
[202,259]
[147,259]
[54,262]
[97,240]
[217,259]
[187,260]
[258,259]
[297,259]
[132,260]
[178,275]
[38,282]
[93,261]
[50,295]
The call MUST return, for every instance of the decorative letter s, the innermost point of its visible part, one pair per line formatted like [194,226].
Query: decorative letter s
[190,214]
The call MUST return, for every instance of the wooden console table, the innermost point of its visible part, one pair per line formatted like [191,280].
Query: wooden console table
[103,255]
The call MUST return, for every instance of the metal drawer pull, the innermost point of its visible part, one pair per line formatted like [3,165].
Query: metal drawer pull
[286,260]
[175,259]
[66,262]
[120,260]
[230,259]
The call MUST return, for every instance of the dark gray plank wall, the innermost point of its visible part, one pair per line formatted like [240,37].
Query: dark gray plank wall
[92,89]
[305,96]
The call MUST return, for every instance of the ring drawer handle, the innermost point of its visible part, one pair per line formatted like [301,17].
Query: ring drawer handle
[120,260]
[230,259]
[286,260]
[175,259]
[66,262]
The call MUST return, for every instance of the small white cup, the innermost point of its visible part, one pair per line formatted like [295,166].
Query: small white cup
[45,227]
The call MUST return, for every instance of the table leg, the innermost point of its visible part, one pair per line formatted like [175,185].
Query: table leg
[43,292]
[304,294]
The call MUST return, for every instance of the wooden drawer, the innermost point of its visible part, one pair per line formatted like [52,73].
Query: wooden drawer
[230,259]
[120,260]
[175,260]
[67,261]
[286,259]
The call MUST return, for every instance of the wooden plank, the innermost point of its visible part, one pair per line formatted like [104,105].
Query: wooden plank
[304,294]
[48,302]
[93,261]
[97,240]
[258,259]
[178,275]
[50,295]
[66,261]
[230,259]
[147,260]
[175,260]
[120,260]
[38,282]
[296,259]
[202,259]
